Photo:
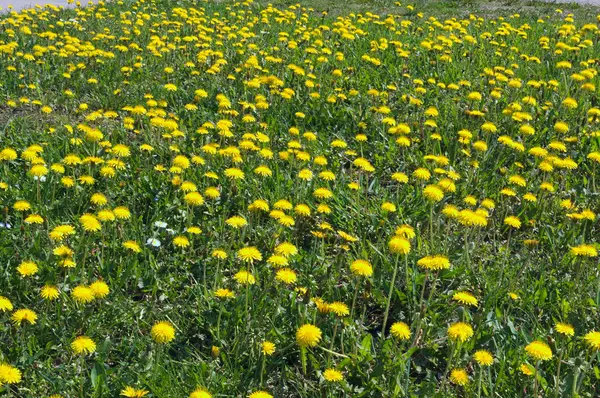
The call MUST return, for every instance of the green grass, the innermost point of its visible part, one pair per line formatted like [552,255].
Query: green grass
[402,99]
[448,8]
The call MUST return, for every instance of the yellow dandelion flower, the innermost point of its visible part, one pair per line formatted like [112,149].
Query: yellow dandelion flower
[539,350]
[100,289]
[459,377]
[90,223]
[49,292]
[83,345]
[131,392]
[460,331]
[361,268]
[27,268]
[339,308]
[260,394]
[9,374]
[249,254]
[83,294]
[593,340]
[200,392]
[398,245]
[526,369]
[244,278]
[268,348]
[22,315]
[437,262]
[465,298]
[162,332]
[483,358]
[584,251]
[5,304]
[286,276]
[308,335]
[564,329]
[400,330]
[332,375]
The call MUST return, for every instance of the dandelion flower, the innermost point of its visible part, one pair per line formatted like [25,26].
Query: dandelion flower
[584,251]
[224,293]
[163,332]
[19,316]
[194,199]
[260,394]
[361,268]
[100,289]
[49,292]
[268,348]
[564,329]
[21,205]
[333,375]
[200,393]
[83,345]
[465,298]
[526,369]
[339,308]
[460,331]
[132,245]
[322,193]
[131,392]
[234,173]
[308,335]
[398,245]
[220,254]
[5,304]
[400,330]
[436,262]
[539,350]
[236,222]
[90,223]
[459,377]
[181,241]
[9,374]
[34,219]
[405,231]
[286,276]
[244,278]
[593,340]
[433,193]
[83,294]
[286,249]
[249,254]
[483,358]
[513,222]
[27,268]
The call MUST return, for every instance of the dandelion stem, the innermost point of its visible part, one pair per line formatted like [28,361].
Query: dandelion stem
[449,363]
[247,307]
[557,381]
[303,359]
[333,352]
[335,326]
[468,260]
[431,227]
[219,322]
[491,382]
[354,299]
[535,380]
[262,369]
[479,382]
[389,300]
[217,275]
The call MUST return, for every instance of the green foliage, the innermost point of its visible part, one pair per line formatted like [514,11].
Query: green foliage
[145,102]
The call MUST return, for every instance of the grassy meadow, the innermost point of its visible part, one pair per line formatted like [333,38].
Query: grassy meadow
[327,199]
